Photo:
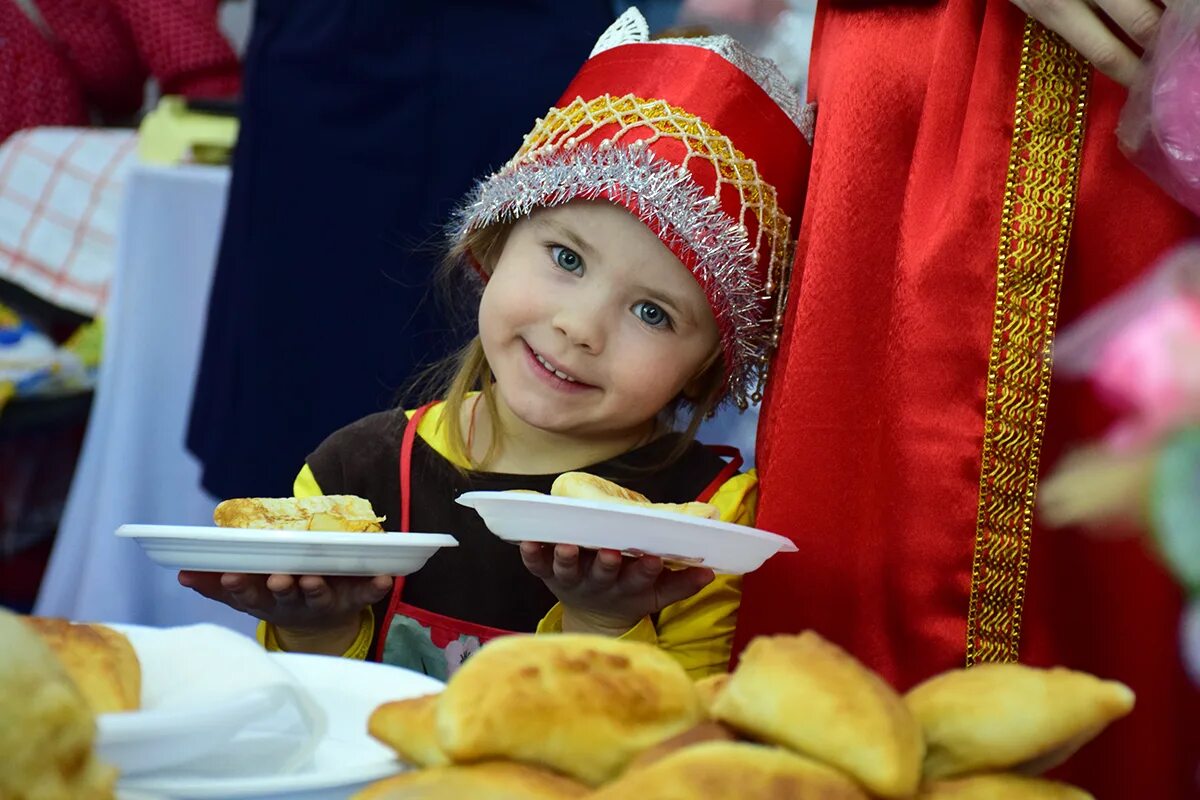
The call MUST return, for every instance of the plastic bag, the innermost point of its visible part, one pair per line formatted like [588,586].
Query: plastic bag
[1159,128]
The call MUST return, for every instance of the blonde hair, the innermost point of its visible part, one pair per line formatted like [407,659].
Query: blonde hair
[468,370]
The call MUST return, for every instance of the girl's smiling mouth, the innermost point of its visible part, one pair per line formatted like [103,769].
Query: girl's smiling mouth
[550,371]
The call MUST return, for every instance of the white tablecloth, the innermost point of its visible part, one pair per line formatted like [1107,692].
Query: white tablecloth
[134,467]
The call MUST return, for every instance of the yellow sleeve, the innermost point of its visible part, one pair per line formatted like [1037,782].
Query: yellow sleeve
[306,485]
[697,632]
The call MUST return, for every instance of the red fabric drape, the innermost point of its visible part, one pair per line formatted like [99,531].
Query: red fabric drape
[872,431]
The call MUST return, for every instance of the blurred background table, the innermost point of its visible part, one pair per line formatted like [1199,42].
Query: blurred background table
[134,467]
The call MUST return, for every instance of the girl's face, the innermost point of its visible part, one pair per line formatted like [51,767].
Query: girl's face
[590,324]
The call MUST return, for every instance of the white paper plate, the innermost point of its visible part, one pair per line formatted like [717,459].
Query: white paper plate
[722,546]
[208,549]
[346,758]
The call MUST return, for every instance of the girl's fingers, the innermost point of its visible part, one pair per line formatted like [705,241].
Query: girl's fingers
[605,569]
[246,591]
[538,559]
[640,574]
[1076,22]
[675,586]
[566,565]
[284,588]
[379,587]
[318,595]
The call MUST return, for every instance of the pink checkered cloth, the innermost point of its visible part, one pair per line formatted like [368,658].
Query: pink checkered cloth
[60,197]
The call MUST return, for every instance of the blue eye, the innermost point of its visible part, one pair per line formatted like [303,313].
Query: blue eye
[566,258]
[652,315]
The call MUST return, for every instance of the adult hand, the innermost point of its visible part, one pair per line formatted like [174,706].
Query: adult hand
[311,614]
[605,592]
[1082,23]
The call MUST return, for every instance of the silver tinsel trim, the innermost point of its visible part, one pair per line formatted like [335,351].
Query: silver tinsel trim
[667,198]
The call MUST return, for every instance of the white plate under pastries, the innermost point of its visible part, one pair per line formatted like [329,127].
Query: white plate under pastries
[721,546]
[212,549]
[222,749]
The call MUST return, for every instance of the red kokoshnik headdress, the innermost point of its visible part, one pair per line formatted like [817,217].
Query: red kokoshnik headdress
[705,143]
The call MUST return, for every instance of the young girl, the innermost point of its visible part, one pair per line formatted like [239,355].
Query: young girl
[634,255]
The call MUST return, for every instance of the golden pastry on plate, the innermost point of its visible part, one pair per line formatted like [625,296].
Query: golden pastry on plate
[581,705]
[46,728]
[100,660]
[732,770]
[996,717]
[1001,787]
[410,728]
[495,780]
[811,696]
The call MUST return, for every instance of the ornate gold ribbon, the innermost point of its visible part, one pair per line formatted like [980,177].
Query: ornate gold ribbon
[1035,229]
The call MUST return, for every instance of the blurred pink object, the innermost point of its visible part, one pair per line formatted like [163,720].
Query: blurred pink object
[1151,371]
[760,12]
[1160,124]
[1141,349]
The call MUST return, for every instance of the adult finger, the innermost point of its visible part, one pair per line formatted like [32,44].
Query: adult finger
[538,559]
[566,565]
[1079,25]
[1138,18]
[675,586]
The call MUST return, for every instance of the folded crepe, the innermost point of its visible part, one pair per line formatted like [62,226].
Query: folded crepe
[584,486]
[1001,787]
[996,717]
[732,770]
[100,660]
[46,728]
[410,728]
[335,512]
[495,780]
[581,705]
[811,696]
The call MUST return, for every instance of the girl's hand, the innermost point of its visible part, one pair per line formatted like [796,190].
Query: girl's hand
[1083,24]
[311,614]
[604,592]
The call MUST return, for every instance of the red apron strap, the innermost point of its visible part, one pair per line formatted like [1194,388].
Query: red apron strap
[728,471]
[405,459]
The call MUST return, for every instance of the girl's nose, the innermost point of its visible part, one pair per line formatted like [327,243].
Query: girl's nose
[582,325]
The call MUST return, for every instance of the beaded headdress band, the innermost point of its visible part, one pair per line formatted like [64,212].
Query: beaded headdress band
[706,143]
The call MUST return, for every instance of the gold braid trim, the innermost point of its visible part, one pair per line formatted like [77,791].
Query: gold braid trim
[1035,229]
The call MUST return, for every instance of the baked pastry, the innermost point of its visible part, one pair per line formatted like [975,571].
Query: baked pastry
[100,661]
[335,512]
[1001,787]
[706,731]
[47,729]
[811,696]
[583,486]
[733,769]
[492,780]
[995,717]
[708,688]
[410,728]
[581,705]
